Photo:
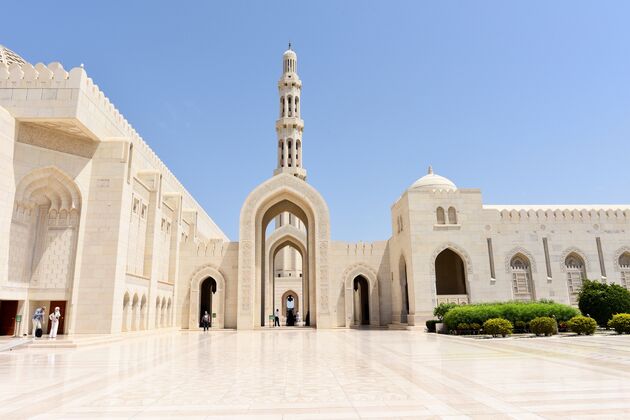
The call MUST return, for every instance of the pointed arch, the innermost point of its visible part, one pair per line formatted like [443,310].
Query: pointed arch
[283,192]
[199,275]
[519,250]
[521,277]
[48,183]
[369,274]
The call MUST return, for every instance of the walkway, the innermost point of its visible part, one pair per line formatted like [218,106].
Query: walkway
[306,373]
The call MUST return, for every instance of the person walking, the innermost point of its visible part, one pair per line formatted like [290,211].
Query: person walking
[276,318]
[54,319]
[205,321]
[38,318]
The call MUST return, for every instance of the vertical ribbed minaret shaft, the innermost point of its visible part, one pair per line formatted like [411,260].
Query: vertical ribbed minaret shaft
[289,126]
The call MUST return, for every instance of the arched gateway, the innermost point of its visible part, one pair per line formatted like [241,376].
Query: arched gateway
[283,193]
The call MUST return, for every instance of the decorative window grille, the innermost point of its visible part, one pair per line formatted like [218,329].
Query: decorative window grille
[521,278]
[576,274]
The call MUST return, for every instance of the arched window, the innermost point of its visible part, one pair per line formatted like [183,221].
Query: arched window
[290,105]
[576,274]
[624,265]
[298,145]
[441,218]
[282,107]
[452,216]
[297,106]
[290,152]
[522,286]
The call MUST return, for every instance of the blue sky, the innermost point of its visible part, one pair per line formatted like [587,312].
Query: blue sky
[529,101]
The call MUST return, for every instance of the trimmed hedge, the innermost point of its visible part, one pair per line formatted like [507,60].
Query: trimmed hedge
[582,325]
[620,323]
[497,327]
[543,326]
[512,311]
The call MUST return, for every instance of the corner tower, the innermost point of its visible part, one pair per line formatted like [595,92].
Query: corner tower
[289,126]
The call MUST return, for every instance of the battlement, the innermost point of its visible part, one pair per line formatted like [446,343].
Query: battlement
[560,213]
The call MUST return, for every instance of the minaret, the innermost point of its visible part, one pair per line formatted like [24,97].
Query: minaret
[289,126]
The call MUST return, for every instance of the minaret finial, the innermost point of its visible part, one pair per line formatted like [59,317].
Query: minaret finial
[430,172]
[289,44]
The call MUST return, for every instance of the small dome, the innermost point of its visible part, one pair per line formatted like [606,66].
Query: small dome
[9,57]
[431,182]
[289,53]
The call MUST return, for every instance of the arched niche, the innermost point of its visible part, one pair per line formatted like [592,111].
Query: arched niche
[371,278]
[218,299]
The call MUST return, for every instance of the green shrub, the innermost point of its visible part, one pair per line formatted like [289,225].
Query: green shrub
[582,325]
[431,325]
[463,328]
[543,326]
[497,327]
[442,309]
[520,326]
[475,327]
[601,301]
[512,311]
[620,323]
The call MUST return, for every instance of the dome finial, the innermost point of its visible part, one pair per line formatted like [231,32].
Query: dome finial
[430,171]
[289,45]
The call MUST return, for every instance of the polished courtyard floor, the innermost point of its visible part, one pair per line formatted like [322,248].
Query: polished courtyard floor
[294,374]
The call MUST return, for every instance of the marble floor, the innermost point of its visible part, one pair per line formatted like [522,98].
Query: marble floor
[306,373]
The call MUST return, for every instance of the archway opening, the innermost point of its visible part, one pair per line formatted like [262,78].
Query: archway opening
[207,290]
[361,301]
[450,277]
[295,261]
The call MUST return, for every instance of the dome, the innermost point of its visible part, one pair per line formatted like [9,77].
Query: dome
[9,57]
[289,53]
[431,182]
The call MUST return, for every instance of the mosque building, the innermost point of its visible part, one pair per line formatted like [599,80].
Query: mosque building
[94,222]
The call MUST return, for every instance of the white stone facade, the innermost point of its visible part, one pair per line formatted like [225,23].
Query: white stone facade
[91,219]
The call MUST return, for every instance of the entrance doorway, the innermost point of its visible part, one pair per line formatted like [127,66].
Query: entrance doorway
[62,307]
[450,278]
[208,289]
[8,310]
[361,301]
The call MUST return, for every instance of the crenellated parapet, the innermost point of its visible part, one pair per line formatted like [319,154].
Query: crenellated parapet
[585,213]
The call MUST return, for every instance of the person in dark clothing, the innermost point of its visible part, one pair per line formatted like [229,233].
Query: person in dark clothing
[205,321]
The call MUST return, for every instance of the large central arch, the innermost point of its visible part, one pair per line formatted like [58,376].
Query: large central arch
[283,193]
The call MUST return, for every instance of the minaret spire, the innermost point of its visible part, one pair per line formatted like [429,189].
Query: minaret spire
[289,126]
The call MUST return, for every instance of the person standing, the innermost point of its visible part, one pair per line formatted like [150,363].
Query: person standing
[276,318]
[205,321]
[38,318]
[54,319]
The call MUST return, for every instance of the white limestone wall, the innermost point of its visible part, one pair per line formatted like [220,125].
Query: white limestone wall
[567,229]
[194,258]
[366,258]
[7,189]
